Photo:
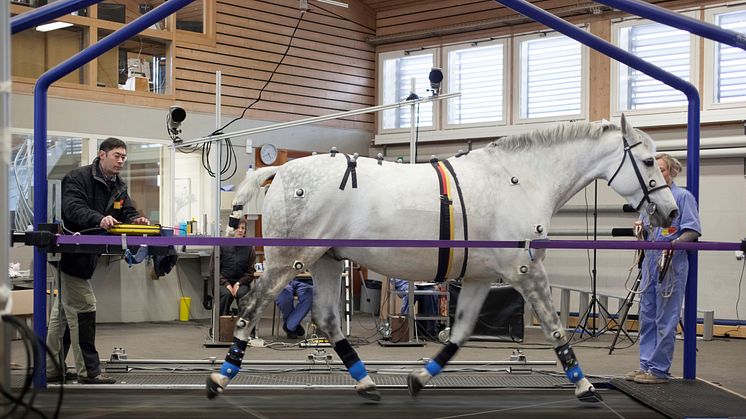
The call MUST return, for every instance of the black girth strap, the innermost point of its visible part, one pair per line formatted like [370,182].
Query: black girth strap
[444,253]
[351,165]
[448,166]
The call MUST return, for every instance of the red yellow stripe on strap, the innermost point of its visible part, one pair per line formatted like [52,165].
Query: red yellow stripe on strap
[445,190]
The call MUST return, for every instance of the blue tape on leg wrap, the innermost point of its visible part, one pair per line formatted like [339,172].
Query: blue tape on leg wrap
[357,371]
[433,368]
[229,370]
[574,373]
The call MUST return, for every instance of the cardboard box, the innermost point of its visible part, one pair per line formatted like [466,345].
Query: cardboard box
[227,326]
[23,302]
[399,328]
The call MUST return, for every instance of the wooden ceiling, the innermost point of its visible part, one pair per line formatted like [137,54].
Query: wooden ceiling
[383,5]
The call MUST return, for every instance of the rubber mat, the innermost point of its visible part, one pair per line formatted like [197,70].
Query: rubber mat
[196,379]
[681,398]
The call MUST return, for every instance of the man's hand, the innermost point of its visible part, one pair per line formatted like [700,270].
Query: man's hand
[108,222]
[141,220]
[233,288]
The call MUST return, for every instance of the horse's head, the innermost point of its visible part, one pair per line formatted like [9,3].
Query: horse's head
[638,178]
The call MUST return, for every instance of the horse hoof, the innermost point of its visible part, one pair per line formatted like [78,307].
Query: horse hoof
[370,393]
[590,396]
[414,384]
[213,385]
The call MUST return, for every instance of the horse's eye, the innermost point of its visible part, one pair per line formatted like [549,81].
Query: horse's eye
[649,162]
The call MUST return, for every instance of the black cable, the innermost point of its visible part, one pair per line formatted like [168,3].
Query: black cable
[269,79]
[30,341]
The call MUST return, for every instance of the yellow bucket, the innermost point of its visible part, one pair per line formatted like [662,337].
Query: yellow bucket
[185,304]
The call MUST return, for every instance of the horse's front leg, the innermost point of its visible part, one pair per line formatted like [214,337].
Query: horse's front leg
[264,291]
[326,285]
[534,287]
[470,301]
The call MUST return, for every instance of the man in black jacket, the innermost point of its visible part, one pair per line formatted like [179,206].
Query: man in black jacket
[94,197]
[236,272]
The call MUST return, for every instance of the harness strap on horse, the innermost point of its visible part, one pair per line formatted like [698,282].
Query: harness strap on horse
[448,166]
[445,254]
[351,165]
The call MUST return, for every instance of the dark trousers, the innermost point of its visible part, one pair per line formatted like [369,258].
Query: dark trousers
[226,299]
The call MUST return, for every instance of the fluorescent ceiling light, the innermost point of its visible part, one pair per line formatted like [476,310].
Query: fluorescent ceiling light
[52,26]
[335,3]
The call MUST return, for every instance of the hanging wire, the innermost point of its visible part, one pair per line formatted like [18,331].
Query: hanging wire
[230,163]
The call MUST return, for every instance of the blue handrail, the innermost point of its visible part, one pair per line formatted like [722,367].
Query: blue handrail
[527,9]
[683,22]
[40,148]
[46,13]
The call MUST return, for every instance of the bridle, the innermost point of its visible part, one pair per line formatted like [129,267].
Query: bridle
[651,208]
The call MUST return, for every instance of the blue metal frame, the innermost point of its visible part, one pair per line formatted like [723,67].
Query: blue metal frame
[724,36]
[527,9]
[46,13]
[40,138]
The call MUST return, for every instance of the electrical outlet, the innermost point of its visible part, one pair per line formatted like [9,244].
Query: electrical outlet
[249,146]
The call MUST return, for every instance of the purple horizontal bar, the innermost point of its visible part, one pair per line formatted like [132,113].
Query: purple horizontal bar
[535,244]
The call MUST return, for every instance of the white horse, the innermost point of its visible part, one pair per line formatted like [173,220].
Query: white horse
[508,190]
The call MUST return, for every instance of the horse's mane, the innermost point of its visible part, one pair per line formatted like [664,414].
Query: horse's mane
[566,131]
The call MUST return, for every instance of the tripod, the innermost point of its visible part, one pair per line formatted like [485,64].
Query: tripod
[595,307]
[624,312]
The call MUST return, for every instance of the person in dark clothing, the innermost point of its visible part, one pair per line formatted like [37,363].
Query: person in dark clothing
[94,197]
[236,272]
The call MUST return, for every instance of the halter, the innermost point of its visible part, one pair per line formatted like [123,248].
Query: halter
[651,208]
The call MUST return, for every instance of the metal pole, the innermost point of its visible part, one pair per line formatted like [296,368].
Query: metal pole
[412,129]
[693,120]
[216,226]
[315,119]
[5,138]
[40,150]
[46,13]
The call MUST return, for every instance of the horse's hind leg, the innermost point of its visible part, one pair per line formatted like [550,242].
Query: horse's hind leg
[470,301]
[535,289]
[326,286]
[264,291]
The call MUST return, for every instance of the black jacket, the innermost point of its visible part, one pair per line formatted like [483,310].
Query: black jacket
[237,264]
[86,199]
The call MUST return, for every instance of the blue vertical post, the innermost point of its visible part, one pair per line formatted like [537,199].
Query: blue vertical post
[527,9]
[40,149]
[717,34]
[46,13]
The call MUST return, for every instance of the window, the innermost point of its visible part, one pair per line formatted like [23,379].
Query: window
[35,52]
[729,62]
[478,72]
[661,45]
[551,77]
[138,64]
[126,11]
[396,85]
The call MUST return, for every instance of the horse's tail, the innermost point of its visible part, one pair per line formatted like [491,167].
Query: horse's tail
[248,191]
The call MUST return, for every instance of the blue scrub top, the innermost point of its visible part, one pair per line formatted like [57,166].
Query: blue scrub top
[688,219]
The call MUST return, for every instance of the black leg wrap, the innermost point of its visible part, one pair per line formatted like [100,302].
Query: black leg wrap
[446,354]
[348,355]
[566,356]
[236,352]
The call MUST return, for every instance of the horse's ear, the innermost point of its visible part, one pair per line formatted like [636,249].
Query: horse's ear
[627,128]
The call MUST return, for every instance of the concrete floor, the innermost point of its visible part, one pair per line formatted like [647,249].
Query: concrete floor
[719,361]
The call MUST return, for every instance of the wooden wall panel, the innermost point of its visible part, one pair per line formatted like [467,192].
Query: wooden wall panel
[329,67]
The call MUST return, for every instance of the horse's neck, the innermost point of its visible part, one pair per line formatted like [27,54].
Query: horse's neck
[565,169]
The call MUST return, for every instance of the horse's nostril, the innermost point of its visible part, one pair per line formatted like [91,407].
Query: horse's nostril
[674,214]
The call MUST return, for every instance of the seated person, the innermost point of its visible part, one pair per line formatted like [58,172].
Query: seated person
[293,315]
[427,305]
[236,272]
